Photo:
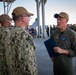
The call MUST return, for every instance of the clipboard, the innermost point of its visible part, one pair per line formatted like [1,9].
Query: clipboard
[50,44]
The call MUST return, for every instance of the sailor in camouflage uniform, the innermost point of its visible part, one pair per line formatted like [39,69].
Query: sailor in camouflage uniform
[66,46]
[21,57]
[5,21]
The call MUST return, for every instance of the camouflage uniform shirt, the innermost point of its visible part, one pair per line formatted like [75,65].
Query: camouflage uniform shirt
[21,59]
[3,65]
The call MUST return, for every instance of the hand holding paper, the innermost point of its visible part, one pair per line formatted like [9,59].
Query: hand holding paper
[50,44]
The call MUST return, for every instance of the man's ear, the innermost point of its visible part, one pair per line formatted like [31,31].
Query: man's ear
[23,19]
[5,22]
[66,20]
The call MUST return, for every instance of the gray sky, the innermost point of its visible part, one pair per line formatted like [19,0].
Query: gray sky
[51,7]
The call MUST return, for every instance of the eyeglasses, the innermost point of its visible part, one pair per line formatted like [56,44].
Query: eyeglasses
[25,15]
[10,21]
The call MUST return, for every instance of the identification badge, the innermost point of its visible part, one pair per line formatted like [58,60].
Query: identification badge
[63,38]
